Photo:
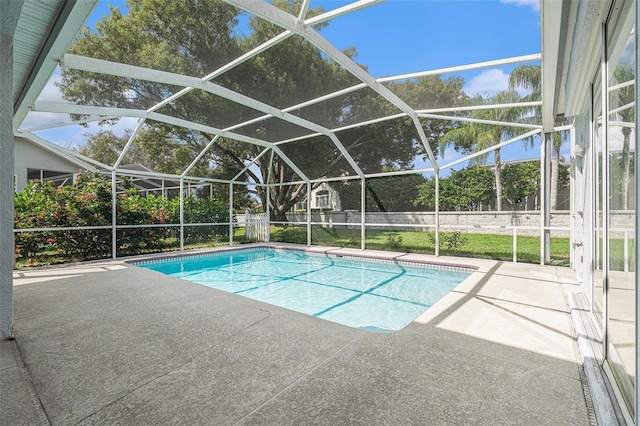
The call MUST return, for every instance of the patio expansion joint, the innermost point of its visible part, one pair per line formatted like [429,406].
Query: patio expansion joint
[176,367]
[39,408]
[298,379]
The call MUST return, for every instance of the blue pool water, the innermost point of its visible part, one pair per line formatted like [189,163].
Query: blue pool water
[359,293]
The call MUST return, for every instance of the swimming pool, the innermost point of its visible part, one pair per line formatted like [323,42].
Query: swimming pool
[369,294]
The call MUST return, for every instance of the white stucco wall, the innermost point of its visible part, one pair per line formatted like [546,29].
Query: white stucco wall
[30,156]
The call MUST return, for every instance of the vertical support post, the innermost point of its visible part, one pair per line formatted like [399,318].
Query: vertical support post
[592,197]
[543,196]
[8,21]
[605,193]
[437,213]
[268,214]
[626,251]
[545,172]
[363,213]
[181,214]
[114,216]
[308,214]
[231,213]
[267,200]
[515,245]
[637,225]
[572,203]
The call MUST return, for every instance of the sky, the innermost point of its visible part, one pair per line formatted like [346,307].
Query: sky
[392,38]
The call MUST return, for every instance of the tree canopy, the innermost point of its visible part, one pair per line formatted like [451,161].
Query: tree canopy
[467,189]
[478,136]
[196,38]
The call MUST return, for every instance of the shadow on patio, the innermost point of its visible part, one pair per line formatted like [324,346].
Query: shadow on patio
[108,342]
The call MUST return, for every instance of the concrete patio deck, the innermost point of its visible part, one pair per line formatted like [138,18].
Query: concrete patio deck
[111,343]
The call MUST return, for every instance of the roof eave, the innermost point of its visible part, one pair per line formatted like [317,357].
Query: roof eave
[68,24]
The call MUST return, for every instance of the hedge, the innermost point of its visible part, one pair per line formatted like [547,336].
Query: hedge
[88,203]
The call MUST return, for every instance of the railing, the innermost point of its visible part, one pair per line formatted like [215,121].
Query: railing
[432,228]
[256,229]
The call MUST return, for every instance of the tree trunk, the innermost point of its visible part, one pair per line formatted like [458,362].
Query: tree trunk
[498,173]
[626,164]
[278,215]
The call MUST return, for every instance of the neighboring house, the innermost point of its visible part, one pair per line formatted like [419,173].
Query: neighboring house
[324,197]
[35,158]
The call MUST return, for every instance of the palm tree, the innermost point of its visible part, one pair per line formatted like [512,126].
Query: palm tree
[529,77]
[623,99]
[475,137]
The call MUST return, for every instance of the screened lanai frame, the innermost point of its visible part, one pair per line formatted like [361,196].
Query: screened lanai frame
[298,26]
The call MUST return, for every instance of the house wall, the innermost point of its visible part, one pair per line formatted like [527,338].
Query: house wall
[30,156]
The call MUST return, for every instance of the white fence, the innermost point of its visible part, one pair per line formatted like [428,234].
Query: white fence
[256,227]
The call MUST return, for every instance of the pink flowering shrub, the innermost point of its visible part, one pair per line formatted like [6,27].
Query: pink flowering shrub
[88,203]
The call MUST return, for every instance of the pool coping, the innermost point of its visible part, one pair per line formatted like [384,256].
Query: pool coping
[390,257]
[498,346]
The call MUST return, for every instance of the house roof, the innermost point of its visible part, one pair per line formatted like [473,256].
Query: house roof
[58,151]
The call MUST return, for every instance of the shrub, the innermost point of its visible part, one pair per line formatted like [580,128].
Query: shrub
[450,240]
[204,210]
[88,203]
[394,240]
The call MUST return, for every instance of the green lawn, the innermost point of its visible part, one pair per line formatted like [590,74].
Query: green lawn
[487,246]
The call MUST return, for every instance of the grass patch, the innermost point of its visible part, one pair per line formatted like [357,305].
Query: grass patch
[487,246]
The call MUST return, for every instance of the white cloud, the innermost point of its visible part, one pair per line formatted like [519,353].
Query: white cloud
[534,4]
[72,135]
[488,82]
[50,92]
[40,119]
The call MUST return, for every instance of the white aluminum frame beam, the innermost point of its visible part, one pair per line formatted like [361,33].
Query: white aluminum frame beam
[460,68]
[254,52]
[199,156]
[414,75]
[87,120]
[491,148]
[480,107]
[253,162]
[129,143]
[167,176]
[344,10]
[481,121]
[131,71]
[285,20]
[162,118]
[306,4]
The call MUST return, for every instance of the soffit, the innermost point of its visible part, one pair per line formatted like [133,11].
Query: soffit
[44,31]
[580,55]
